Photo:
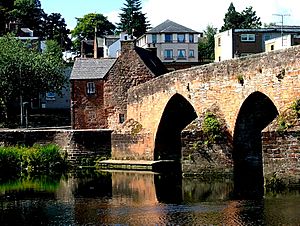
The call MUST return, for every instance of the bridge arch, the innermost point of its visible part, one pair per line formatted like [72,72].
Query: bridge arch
[256,112]
[177,114]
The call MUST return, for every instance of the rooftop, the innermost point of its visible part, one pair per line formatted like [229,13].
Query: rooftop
[170,27]
[90,68]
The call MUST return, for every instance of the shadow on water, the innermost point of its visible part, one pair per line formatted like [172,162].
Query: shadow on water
[255,114]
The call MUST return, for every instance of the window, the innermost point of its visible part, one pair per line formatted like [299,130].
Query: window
[168,54]
[154,38]
[191,38]
[191,53]
[180,38]
[219,41]
[272,47]
[90,88]
[181,53]
[121,118]
[247,37]
[168,38]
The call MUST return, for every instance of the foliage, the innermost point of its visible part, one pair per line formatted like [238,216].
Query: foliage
[37,159]
[275,184]
[28,14]
[206,45]
[86,26]
[24,71]
[240,79]
[211,128]
[132,20]
[53,50]
[288,118]
[55,28]
[246,19]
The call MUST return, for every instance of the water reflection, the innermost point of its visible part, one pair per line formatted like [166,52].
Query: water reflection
[138,198]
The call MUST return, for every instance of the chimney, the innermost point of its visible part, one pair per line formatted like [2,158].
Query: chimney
[127,45]
[95,45]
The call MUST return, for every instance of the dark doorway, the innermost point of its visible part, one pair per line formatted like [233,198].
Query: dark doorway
[177,115]
[255,114]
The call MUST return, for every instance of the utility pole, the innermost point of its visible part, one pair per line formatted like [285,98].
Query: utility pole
[282,16]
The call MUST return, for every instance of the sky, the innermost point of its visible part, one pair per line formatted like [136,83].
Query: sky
[194,14]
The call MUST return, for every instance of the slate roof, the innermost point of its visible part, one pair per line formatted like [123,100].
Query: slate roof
[151,61]
[170,27]
[90,68]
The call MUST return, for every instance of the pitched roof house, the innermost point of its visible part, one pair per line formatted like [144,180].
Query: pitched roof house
[99,86]
[172,43]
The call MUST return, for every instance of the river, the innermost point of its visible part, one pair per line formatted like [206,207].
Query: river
[138,198]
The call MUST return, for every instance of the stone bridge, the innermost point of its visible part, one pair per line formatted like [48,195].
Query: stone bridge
[246,94]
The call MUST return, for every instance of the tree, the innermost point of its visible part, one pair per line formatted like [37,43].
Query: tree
[55,28]
[29,14]
[26,72]
[132,20]
[5,7]
[85,28]
[246,19]
[206,45]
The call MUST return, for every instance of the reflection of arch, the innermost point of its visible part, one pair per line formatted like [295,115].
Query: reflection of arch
[177,114]
[255,114]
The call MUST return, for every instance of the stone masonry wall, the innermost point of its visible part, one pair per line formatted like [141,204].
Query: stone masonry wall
[87,110]
[79,144]
[275,74]
[128,71]
[281,154]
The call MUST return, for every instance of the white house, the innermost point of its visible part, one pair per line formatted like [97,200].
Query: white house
[172,42]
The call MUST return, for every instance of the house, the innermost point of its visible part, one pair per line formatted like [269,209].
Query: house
[282,42]
[175,45]
[99,86]
[112,44]
[242,42]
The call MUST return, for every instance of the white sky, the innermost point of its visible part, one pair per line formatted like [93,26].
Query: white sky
[197,14]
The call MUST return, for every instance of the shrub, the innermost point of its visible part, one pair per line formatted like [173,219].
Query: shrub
[211,128]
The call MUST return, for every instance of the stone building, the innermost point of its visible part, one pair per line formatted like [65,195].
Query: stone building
[99,86]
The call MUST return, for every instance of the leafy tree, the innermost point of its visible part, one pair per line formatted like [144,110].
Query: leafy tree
[85,28]
[53,50]
[5,7]
[206,45]
[55,28]
[28,13]
[246,19]
[132,20]
[24,71]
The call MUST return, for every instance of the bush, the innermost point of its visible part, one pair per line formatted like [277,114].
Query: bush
[211,128]
[36,159]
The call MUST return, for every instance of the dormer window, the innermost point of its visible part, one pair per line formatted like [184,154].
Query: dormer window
[90,88]
[248,37]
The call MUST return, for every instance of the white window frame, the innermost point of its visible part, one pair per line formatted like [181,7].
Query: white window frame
[247,37]
[191,38]
[90,88]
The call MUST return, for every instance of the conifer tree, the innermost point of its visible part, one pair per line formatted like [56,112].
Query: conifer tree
[132,20]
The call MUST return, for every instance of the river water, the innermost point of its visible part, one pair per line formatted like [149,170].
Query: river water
[138,198]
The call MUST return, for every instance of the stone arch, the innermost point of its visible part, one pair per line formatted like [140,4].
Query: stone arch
[256,112]
[177,114]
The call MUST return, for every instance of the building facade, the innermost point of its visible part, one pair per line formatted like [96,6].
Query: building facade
[171,42]
[99,86]
[242,42]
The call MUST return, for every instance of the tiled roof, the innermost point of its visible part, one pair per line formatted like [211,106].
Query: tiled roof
[170,27]
[90,68]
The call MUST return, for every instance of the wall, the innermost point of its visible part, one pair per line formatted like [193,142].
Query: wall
[281,154]
[128,71]
[88,110]
[79,144]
